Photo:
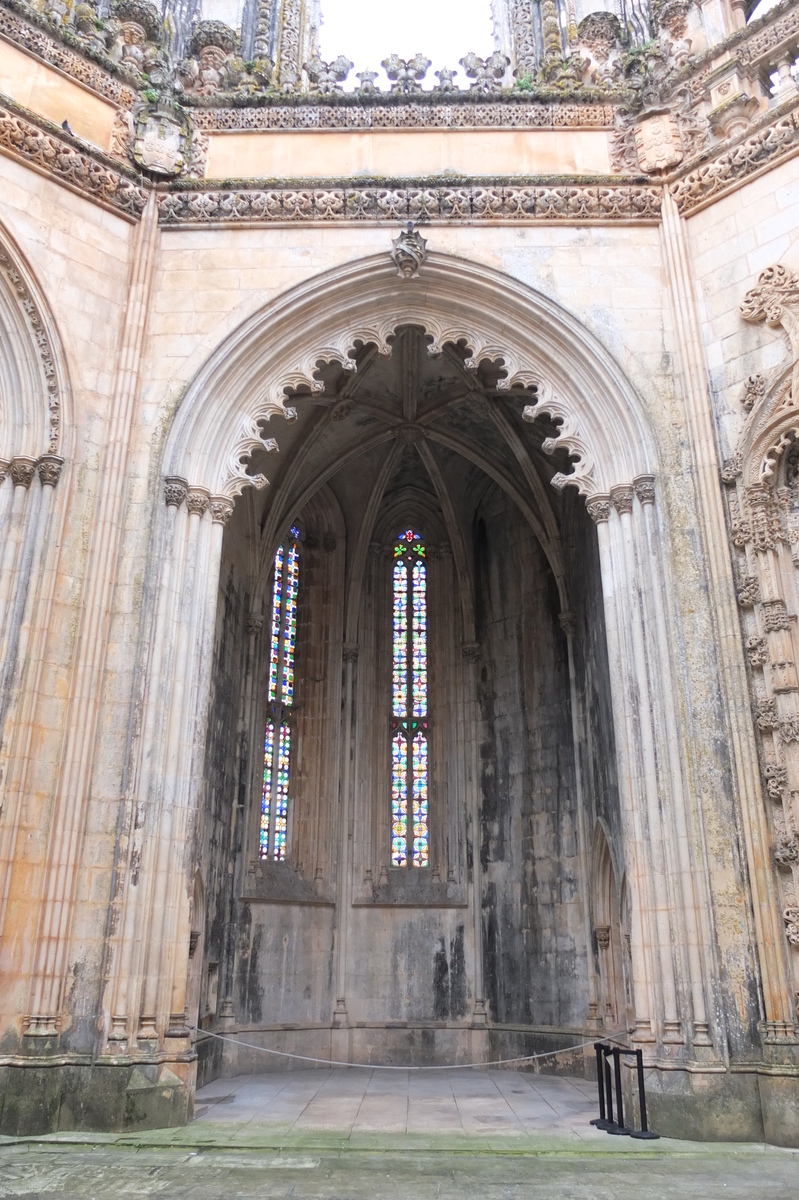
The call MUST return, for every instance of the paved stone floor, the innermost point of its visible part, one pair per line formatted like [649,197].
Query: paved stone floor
[424,1102]
[368,1135]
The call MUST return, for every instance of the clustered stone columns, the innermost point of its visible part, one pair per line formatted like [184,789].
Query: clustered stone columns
[665,934]
[146,995]
[25,598]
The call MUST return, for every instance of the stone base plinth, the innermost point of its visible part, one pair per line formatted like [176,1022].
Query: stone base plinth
[48,1097]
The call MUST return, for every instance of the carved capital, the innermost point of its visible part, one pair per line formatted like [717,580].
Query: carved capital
[471,651]
[598,508]
[776,780]
[645,488]
[175,491]
[349,652]
[255,623]
[568,622]
[49,467]
[757,651]
[22,471]
[197,501]
[221,509]
[603,936]
[5,467]
[622,498]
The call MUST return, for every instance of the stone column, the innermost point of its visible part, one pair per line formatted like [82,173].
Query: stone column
[693,937]
[733,682]
[127,955]
[618,597]
[74,776]
[24,631]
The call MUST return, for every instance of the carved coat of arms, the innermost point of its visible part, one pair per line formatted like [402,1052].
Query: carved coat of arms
[158,144]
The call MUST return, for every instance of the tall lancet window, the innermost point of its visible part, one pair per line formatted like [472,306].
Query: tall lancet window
[280,695]
[410,843]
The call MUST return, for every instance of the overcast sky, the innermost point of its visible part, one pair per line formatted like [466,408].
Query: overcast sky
[367,31]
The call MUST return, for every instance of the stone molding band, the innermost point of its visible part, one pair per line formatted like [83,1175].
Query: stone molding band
[56,156]
[441,204]
[500,114]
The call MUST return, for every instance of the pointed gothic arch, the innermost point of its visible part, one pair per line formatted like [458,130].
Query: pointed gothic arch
[540,357]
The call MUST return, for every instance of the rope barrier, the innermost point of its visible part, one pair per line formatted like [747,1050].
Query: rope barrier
[331,1062]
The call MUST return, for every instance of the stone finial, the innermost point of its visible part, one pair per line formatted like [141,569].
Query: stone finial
[409,251]
[367,81]
[212,33]
[327,78]
[446,80]
[406,75]
[485,73]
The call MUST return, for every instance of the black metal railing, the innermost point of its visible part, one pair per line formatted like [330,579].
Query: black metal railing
[611,1113]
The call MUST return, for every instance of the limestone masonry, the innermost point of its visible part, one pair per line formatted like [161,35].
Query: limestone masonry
[399,553]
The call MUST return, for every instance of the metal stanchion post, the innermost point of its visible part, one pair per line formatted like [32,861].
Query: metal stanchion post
[619,1128]
[644,1131]
[601,1121]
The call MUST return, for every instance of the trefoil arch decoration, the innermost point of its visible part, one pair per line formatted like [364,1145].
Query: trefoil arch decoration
[236,394]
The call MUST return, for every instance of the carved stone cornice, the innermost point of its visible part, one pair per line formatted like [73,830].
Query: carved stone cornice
[498,113]
[773,143]
[573,203]
[95,71]
[33,316]
[54,154]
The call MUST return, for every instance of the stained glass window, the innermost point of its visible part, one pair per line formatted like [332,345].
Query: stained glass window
[410,842]
[273,842]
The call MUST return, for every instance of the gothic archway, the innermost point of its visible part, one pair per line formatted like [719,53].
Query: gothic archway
[35,435]
[570,417]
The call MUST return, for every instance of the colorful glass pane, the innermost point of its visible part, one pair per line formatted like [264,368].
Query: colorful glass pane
[274,640]
[282,793]
[266,794]
[400,675]
[399,801]
[419,640]
[290,625]
[420,789]
[409,779]
[273,839]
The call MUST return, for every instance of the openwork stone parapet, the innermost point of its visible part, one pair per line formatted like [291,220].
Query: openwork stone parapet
[444,204]
[510,114]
